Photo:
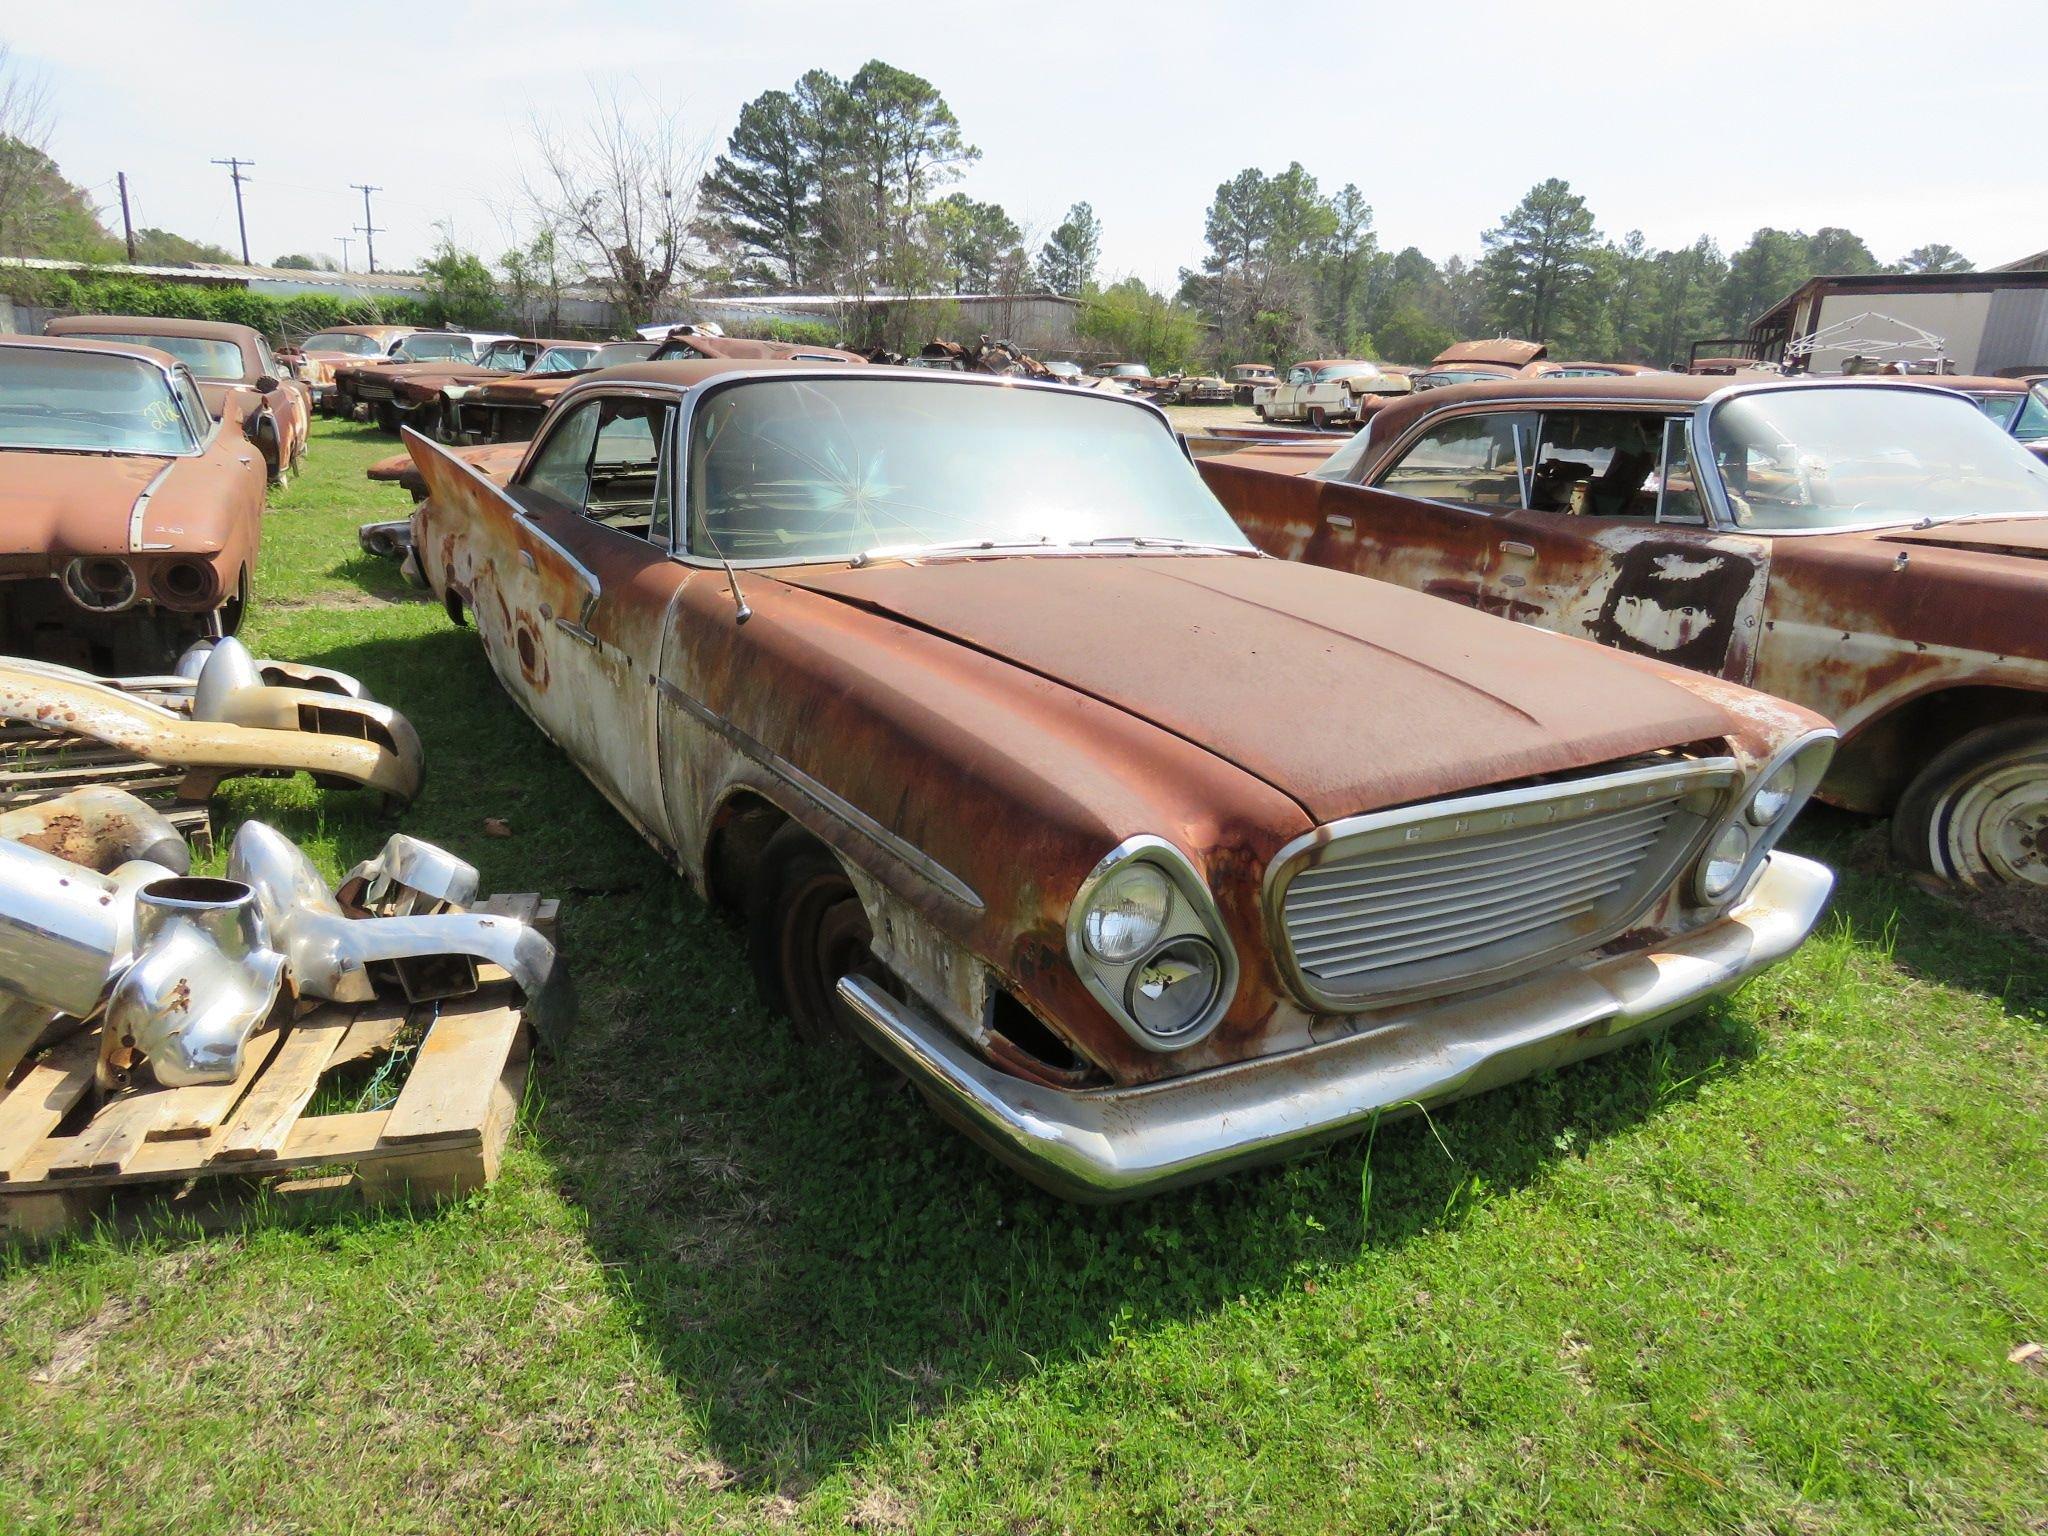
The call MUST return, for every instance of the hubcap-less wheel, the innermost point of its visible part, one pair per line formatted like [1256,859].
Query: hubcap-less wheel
[1993,829]
[824,935]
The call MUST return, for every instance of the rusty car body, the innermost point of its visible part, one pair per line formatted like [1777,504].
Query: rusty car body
[1326,392]
[223,358]
[1886,571]
[406,388]
[509,410]
[129,516]
[1247,378]
[314,360]
[1476,362]
[1144,856]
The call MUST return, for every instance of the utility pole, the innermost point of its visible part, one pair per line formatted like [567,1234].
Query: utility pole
[127,224]
[344,242]
[369,231]
[235,174]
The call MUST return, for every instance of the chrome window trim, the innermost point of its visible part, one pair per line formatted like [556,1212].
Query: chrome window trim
[1721,774]
[1192,888]
[693,397]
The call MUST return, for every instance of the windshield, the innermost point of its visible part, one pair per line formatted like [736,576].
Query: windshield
[783,470]
[207,359]
[565,359]
[1831,456]
[612,353]
[1130,371]
[429,348]
[2032,427]
[88,402]
[508,357]
[1999,409]
[346,342]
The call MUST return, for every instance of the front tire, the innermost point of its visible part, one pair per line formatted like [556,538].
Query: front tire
[806,928]
[1978,813]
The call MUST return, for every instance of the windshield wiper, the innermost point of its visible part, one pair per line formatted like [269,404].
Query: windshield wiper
[950,546]
[1154,541]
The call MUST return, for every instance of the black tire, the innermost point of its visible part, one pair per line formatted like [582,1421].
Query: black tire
[1317,418]
[1978,813]
[1259,411]
[805,929]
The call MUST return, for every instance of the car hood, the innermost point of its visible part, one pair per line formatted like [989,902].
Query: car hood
[526,389]
[1346,695]
[2026,537]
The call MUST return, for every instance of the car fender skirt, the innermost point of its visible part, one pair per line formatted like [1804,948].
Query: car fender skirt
[1119,1143]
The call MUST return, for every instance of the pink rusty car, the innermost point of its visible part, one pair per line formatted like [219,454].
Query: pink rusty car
[1143,855]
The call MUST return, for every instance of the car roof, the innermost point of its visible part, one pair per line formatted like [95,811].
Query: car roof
[1335,362]
[374,332]
[245,336]
[162,360]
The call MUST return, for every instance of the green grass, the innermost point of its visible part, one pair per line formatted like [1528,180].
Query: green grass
[1761,1276]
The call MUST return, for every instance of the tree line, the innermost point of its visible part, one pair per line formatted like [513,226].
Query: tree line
[847,187]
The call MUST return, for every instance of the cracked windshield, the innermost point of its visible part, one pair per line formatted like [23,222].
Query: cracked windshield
[828,470]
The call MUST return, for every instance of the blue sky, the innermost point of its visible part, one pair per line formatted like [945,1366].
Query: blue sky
[1905,122]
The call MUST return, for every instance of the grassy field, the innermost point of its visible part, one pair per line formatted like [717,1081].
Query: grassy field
[1761,1276]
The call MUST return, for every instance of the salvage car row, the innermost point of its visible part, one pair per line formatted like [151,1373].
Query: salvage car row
[1147,855]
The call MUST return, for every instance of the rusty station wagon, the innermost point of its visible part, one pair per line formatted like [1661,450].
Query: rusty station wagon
[1870,549]
[1143,855]
[129,517]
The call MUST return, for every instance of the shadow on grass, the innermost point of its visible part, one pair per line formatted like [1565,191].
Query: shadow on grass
[815,1259]
[1954,939]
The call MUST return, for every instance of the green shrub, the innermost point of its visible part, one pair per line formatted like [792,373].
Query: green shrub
[282,320]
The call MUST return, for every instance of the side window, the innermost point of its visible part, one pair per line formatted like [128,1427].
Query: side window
[1479,460]
[1598,463]
[1678,488]
[1297,375]
[561,469]
[606,461]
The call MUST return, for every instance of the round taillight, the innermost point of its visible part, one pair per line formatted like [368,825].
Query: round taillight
[100,582]
[184,582]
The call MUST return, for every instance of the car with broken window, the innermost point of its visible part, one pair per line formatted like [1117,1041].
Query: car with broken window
[505,410]
[1476,362]
[223,358]
[314,360]
[129,515]
[1246,379]
[1327,392]
[1143,855]
[409,392]
[1876,550]
[361,391]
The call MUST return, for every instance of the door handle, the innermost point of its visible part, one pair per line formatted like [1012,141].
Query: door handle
[1517,547]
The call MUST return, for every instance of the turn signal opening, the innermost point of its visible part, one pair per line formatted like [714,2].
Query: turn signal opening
[1018,1027]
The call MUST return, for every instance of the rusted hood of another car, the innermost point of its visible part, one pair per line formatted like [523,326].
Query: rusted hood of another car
[2026,537]
[70,503]
[1346,695]
[526,389]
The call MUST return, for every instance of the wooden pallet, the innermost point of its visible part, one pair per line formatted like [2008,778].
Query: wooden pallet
[442,1137]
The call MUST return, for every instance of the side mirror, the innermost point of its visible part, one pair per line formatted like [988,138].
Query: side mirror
[265,384]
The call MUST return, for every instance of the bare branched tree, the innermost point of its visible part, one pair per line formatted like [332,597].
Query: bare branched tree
[622,190]
[24,162]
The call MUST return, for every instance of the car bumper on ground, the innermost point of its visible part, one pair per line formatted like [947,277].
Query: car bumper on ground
[1117,1143]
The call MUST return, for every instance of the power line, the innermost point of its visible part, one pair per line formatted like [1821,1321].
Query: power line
[368,230]
[235,174]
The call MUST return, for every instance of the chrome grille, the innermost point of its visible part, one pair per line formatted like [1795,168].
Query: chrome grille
[1440,896]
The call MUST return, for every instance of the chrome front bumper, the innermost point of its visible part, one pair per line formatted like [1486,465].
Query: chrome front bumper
[1117,1143]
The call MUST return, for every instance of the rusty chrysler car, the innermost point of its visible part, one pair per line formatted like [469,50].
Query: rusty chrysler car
[1872,549]
[223,358]
[315,359]
[129,516]
[509,409]
[1143,855]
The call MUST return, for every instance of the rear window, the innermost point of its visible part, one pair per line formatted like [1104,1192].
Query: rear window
[91,403]
[206,358]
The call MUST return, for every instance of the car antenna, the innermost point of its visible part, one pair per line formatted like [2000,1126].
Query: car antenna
[742,612]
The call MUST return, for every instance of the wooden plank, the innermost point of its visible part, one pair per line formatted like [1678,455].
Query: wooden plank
[376,1026]
[21,1025]
[42,1099]
[196,1111]
[456,1070]
[113,1138]
[314,1139]
[264,1122]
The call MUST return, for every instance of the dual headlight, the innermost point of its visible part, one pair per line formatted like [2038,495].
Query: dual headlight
[1737,850]
[1145,937]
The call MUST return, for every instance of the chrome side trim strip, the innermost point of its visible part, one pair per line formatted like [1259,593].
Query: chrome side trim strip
[141,509]
[826,800]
